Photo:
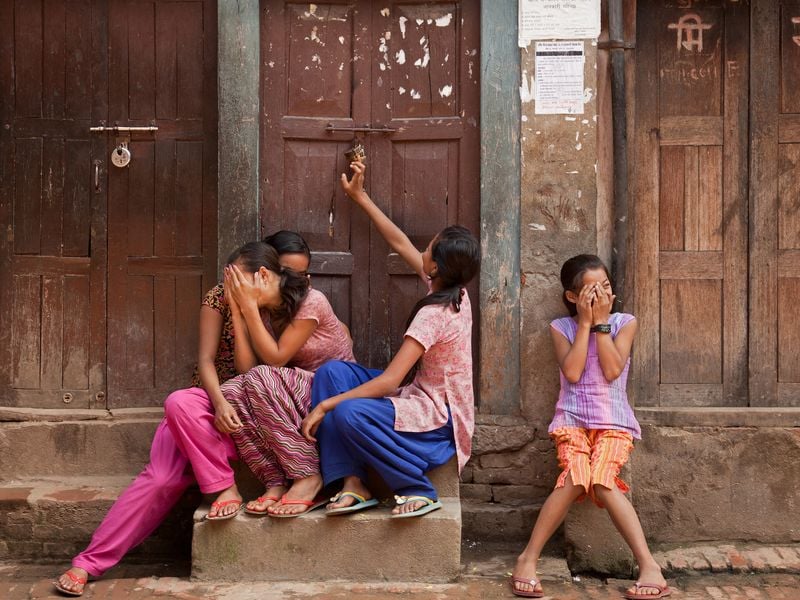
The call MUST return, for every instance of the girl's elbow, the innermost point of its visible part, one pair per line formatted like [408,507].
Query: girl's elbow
[573,377]
[612,374]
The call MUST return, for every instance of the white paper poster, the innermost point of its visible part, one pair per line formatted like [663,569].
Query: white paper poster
[558,19]
[558,78]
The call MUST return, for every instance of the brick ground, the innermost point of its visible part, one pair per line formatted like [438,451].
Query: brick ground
[484,579]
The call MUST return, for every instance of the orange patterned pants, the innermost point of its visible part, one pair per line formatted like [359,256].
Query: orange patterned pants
[592,457]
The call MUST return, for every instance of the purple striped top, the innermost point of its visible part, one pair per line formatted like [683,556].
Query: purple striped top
[593,402]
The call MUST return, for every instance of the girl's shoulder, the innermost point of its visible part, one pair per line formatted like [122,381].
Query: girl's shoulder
[564,325]
[215,298]
[315,304]
[619,320]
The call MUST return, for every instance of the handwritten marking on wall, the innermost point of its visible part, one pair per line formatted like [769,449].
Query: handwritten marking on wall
[691,27]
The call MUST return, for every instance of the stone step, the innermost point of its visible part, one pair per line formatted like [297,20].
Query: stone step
[51,518]
[37,443]
[366,546]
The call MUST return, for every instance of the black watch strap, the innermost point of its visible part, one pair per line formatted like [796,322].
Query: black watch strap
[601,328]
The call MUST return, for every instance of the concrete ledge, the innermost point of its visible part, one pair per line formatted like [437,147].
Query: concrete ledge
[55,519]
[366,546]
[719,417]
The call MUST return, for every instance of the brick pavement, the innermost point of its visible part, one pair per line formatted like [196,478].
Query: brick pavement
[715,572]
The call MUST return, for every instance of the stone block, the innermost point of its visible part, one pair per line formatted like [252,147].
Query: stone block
[494,438]
[490,522]
[367,546]
[594,544]
[516,495]
[476,491]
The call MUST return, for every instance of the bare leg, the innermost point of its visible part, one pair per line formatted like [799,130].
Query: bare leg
[624,517]
[553,512]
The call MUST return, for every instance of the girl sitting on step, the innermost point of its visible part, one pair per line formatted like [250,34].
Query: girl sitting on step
[594,426]
[192,443]
[419,412]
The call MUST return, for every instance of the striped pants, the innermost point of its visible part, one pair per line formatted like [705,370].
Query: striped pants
[271,403]
[592,457]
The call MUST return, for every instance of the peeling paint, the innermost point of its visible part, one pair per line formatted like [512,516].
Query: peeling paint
[402,21]
[537,226]
[401,90]
[385,12]
[570,119]
[526,89]
[382,66]
[420,21]
[445,91]
[415,94]
[524,118]
[400,56]
[445,20]
[587,95]
[341,39]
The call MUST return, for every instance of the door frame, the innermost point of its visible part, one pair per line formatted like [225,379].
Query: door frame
[239,179]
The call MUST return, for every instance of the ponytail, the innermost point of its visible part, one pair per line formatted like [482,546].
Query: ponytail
[293,289]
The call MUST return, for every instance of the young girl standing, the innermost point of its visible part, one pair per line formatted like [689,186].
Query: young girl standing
[363,417]
[594,426]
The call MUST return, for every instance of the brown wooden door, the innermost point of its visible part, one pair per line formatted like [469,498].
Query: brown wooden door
[162,207]
[102,269]
[690,204]
[775,197]
[411,68]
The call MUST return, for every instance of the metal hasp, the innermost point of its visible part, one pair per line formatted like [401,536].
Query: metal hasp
[331,128]
[123,128]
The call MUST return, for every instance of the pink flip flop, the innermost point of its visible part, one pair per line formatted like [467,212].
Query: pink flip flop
[219,505]
[75,579]
[663,591]
[309,504]
[261,500]
[533,582]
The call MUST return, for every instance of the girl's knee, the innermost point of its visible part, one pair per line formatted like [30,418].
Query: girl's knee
[175,405]
[349,416]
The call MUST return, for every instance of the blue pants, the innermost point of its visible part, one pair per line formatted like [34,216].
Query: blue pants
[360,433]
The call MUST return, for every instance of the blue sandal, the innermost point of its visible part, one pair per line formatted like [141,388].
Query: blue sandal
[430,505]
[360,504]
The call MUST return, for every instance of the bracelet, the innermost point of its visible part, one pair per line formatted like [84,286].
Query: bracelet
[601,328]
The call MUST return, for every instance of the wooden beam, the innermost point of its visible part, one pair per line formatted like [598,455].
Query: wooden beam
[500,209]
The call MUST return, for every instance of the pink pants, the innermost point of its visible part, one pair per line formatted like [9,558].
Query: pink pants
[185,437]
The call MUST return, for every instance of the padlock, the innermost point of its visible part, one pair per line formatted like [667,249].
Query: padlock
[121,156]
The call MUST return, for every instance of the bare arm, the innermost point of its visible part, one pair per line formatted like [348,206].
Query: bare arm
[244,358]
[572,357]
[270,351]
[612,353]
[211,322]
[393,235]
[384,384]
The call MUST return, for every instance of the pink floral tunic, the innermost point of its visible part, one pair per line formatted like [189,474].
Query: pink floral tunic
[444,376]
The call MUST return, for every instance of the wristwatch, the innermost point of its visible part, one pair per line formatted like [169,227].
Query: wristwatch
[601,328]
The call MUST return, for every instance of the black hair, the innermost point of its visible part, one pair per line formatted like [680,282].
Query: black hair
[288,242]
[457,254]
[572,276]
[293,286]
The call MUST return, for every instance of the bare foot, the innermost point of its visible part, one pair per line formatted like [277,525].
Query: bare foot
[649,574]
[351,484]
[303,490]
[270,496]
[526,569]
[225,503]
[73,580]
[408,507]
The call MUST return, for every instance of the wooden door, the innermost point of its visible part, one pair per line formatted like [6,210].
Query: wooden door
[162,207]
[408,69]
[52,209]
[775,197]
[690,204]
[101,268]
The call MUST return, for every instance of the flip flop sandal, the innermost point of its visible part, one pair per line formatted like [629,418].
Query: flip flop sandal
[663,591]
[75,579]
[430,505]
[261,500]
[533,582]
[309,504]
[219,505]
[360,504]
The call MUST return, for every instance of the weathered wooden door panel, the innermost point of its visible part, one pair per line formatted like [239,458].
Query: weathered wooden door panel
[52,269]
[162,207]
[691,209]
[407,67]
[775,182]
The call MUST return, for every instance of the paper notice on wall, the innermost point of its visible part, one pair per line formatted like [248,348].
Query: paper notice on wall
[558,19]
[559,78]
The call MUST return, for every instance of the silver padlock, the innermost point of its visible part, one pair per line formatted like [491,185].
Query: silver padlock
[121,156]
